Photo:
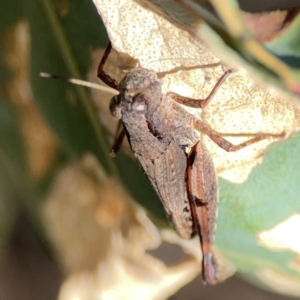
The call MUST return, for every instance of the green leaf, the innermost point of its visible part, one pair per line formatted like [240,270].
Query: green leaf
[7,206]
[269,197]
[60,45]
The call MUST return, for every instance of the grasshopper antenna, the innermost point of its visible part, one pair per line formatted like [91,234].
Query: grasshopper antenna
[82,83]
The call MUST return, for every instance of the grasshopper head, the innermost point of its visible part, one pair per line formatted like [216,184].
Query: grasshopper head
[140,92]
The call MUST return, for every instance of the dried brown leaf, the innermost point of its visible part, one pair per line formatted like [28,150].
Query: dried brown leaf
[101,239]
[265,26]
[41,145]
[139,30]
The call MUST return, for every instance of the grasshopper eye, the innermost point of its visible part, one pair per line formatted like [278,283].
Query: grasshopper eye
[140,104]
[114,107]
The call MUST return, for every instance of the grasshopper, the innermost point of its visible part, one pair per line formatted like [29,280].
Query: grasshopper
[160,131]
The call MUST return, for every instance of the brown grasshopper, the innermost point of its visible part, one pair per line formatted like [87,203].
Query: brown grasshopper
[159,131]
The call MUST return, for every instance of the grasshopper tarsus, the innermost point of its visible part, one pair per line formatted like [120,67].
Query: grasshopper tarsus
[209,269]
